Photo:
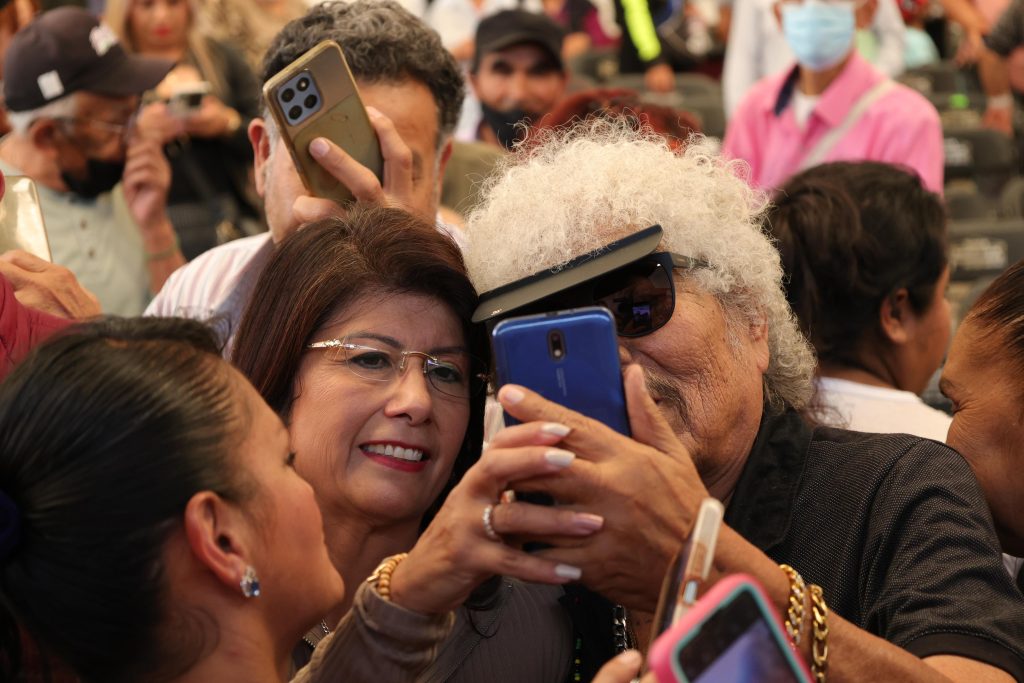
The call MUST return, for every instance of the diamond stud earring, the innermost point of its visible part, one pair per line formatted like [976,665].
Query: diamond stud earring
[250,584]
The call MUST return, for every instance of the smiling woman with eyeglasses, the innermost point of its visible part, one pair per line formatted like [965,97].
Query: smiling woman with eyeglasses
[359,335]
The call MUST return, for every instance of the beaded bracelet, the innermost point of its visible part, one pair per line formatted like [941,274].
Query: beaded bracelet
[797,598]
[381,577]
[819,648]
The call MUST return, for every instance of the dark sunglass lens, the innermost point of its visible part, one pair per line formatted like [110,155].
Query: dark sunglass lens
[640,297]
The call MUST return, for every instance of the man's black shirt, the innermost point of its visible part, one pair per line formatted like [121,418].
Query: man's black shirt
[895,530]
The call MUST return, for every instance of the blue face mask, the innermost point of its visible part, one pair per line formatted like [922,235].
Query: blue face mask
[819,33]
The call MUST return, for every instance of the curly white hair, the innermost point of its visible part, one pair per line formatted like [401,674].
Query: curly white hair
[575,189]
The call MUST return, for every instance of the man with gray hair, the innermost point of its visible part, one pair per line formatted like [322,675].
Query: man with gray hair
[72,94]
[413,92]
[889,531]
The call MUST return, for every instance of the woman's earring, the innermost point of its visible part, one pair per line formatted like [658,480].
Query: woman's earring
[250,584]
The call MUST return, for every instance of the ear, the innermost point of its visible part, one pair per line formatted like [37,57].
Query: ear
[43,136]
[895,317]
[759,340]
[442,164]
[260,141]
[217,535]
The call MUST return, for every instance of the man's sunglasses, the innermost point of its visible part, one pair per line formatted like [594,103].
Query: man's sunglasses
[640,295]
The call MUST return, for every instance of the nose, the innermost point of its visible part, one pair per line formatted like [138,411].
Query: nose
[410,397]
[517,89]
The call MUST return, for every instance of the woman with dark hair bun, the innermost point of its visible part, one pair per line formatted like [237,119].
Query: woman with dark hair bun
[863,245]
[152,527]
[982,377]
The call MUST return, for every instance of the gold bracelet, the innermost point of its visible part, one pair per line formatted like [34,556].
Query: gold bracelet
[795,610]
[381,576]
[819,648]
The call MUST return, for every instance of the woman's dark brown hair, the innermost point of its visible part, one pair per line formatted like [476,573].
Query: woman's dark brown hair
[329,266]
[852,234]
[999,312]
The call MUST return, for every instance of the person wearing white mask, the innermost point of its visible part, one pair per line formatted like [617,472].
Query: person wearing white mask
[832,105]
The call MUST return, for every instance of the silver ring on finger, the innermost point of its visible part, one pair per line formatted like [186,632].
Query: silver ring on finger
[488,525]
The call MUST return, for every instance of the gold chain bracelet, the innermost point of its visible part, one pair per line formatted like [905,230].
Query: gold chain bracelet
[819,648]
[795,610]
[381,577]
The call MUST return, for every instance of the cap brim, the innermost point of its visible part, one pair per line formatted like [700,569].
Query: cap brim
[132,75]
[516,38]
[521,293]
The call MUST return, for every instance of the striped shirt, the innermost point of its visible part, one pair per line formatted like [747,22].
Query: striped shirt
[216,286]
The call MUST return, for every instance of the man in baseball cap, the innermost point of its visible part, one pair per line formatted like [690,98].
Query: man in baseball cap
[517,72]
[72,94]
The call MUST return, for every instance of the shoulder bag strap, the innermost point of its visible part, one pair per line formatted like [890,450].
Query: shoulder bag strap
[857,111]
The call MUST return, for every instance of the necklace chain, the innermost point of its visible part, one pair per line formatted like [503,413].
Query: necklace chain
[313,639]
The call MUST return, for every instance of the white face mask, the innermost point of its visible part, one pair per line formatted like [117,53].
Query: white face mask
[819,33]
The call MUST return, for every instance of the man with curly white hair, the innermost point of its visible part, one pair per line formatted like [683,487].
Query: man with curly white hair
[890,568]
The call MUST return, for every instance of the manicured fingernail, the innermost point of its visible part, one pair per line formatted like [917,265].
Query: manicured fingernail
[584,521]
[556,429]
[567,571]
[631,659]
[372,113]
[511,395]
[560,458]
[318,147]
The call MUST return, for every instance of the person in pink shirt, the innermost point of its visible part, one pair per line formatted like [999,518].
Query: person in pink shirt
[832,106]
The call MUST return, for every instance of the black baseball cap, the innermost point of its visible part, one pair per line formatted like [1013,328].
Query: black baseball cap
[68,50]
[515,27]
[517,295]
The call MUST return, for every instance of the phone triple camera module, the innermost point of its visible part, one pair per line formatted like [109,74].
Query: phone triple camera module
[299,98]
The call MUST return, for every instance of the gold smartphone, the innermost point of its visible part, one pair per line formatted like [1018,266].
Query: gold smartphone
[21,219]
[316,96]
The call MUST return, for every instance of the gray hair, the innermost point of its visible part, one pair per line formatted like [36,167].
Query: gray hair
[21,121]
[383,43]
[574,190]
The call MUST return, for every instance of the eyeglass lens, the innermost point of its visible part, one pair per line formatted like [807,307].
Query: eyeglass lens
[449,374]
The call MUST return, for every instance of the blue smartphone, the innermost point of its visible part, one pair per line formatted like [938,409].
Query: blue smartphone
[569,357]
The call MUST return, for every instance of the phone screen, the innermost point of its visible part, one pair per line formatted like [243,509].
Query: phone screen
[736,644]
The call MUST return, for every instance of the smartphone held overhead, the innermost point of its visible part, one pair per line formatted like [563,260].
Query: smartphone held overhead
[316,96]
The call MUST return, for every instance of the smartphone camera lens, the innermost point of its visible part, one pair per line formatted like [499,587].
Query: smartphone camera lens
[302,85]
[287,95]
[295,112]
[556,345]
[311,101]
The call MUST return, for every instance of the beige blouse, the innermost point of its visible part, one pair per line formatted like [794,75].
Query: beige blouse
[376,641]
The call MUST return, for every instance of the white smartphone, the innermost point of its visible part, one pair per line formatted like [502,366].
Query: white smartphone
[21,219]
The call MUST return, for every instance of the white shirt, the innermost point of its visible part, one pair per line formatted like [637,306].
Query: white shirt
[864,408]
[757,47]
[216,285]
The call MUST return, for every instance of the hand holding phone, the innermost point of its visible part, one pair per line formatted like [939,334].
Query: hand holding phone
[313,100]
